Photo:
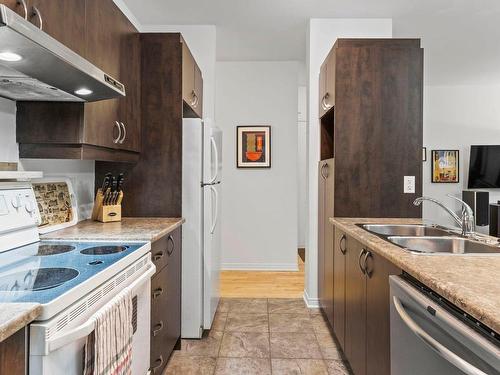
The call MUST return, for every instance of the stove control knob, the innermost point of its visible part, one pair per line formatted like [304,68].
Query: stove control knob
[30,208]
[16,202]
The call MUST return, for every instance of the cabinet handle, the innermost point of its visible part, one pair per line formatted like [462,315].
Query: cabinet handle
[124,133]
[343,249]
[160,363]
[323,104]
[193,95]
[157,293]
[323,171]
[196,99]
[368,272]
[158,255]
[25,7]
[36,12]
[171,239]
[117,139]
[157,328]
[363,251]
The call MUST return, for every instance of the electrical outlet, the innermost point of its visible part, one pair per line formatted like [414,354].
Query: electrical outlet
[409,184]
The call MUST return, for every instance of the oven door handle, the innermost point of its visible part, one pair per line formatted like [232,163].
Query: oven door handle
[435,345]
[87,328]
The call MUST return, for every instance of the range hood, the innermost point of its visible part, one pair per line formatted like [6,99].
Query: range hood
[36,67]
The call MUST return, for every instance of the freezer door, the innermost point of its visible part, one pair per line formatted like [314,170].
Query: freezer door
[215,170]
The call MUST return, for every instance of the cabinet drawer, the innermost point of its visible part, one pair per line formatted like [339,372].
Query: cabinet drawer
[159,253]
[159,320]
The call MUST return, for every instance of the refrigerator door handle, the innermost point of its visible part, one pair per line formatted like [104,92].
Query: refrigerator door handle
[216,154]
[214,203]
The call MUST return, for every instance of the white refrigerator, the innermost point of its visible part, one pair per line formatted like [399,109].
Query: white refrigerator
[201,198]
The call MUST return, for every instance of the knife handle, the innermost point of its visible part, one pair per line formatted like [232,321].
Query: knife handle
[120,198]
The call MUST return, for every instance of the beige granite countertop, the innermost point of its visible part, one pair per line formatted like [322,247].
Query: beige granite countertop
[470,282]
[14,316]
[129,229]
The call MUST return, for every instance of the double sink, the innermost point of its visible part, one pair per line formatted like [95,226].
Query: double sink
[428,239]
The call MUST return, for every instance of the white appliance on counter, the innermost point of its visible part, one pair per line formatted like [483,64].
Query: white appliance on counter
[201,181]
[72,280]
[431,336]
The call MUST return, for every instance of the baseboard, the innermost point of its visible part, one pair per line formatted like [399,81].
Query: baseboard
[310,302]
[259,267]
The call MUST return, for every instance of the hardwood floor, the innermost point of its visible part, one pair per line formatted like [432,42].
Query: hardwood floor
[263,284]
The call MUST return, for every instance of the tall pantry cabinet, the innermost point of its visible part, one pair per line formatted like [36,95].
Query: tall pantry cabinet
[370,109]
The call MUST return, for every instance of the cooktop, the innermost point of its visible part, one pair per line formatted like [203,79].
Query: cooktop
[45,270]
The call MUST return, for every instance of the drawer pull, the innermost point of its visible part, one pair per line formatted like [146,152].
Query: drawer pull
[363,252]
[157,328]
[160,363]
[157,293]
[158,255]
[343,249]
[171,239]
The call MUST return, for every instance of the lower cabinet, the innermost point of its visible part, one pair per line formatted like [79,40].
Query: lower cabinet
[13,354]
[325,239]
[165,299]
[361,305]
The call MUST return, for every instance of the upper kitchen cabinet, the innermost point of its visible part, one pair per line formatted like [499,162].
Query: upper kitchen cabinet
[108,130]
[327,85]
[63,20]
[17,6]
[192,84]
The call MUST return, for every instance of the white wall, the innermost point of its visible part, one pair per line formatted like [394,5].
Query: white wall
[456,117]
[322,34]
[259,207]
[80,172]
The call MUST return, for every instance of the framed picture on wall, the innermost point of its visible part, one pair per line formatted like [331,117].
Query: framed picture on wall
[253,147]
[445,166]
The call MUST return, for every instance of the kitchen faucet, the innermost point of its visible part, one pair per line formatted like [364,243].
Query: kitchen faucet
[466,222]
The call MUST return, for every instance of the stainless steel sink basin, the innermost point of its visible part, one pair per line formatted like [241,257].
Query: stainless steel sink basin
[444,245]
[415,230]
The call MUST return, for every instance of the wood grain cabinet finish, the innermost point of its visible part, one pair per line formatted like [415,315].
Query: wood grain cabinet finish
[340,249]
[366,341]
[13,354]
[105,130]
[327,84]
[192,84]
[165,299]
[325,239]
[16,6]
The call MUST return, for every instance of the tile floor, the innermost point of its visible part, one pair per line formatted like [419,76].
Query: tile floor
[261,336]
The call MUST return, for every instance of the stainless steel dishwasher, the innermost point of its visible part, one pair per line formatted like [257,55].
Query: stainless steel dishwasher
[429,336]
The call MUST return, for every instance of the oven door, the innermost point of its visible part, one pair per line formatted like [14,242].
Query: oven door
[62,353]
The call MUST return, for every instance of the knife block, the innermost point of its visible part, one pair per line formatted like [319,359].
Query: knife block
[106,213]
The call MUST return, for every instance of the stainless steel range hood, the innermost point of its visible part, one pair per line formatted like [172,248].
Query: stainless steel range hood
[36,67]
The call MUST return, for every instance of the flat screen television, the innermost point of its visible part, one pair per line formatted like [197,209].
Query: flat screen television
[484,167]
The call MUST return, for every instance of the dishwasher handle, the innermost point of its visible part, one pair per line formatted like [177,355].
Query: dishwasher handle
[435,345]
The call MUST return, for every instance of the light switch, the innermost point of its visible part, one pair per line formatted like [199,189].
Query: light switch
[409,184]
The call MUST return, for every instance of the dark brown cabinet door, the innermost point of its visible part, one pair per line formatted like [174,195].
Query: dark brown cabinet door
[188,78]
[322,89]
[328,240]
[64,20]
[174,288]
[321,235]
[13,354]
[339,273]
[130,72]
[17,6]
[378,361]
[355,324]
[330,80]
[198,91]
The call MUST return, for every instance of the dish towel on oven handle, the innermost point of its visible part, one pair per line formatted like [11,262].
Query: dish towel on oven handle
[108,350]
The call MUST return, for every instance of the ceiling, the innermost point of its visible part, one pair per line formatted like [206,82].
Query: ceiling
[460,37]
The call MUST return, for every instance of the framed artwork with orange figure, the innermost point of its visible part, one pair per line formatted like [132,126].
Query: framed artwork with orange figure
[253,147]
[445,166]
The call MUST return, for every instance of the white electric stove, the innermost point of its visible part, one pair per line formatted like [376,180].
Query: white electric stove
[72,280]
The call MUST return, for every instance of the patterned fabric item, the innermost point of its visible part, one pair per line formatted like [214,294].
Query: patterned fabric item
[108,350]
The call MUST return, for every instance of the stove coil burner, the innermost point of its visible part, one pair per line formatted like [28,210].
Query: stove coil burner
[40,279]
[103,250]
[44,250]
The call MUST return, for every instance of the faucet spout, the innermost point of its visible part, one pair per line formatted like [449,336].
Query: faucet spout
[455,217]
